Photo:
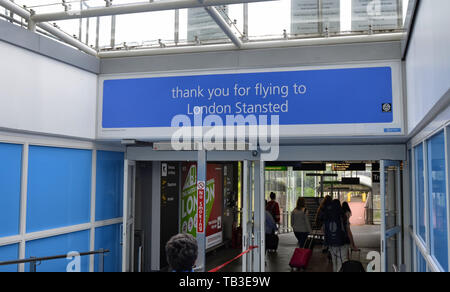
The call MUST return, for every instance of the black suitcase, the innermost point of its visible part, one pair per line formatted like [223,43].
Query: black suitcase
[353,266]
[272,241]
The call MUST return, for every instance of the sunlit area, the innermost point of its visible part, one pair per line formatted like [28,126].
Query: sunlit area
[248,22]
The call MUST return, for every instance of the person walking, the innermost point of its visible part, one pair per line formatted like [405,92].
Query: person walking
[271,236]
[327,200]
[336,233]
[274,208]
[300,222]
[347,215]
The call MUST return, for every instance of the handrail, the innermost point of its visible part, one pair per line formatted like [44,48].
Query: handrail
[34,260]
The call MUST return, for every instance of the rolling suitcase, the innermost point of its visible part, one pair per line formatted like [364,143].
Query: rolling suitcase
[352,266]
[301,257]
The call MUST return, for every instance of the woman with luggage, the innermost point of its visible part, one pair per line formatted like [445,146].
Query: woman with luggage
[300,222]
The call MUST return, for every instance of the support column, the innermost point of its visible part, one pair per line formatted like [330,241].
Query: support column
[247,215]
[31,23]
[155,241]
[201,210]
[262,244]
[259,219]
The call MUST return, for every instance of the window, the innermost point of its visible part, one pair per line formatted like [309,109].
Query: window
[438,199]
[420,192]
[421,263]
[410,200]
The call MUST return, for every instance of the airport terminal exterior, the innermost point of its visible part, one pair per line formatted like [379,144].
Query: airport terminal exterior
[106,153]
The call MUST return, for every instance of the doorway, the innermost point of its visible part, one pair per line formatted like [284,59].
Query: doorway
[165,203]
[245,184]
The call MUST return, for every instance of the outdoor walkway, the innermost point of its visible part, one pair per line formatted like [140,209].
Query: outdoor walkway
[358,213]
[367,238]
[276,262]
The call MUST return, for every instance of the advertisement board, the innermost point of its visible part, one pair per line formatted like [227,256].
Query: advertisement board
[213,203]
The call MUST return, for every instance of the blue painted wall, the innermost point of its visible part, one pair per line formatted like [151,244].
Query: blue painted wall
[59,195]
[10,178]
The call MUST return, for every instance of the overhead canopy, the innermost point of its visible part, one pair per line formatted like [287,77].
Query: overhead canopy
[109,27]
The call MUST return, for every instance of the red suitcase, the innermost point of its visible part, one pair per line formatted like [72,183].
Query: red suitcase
[301,256]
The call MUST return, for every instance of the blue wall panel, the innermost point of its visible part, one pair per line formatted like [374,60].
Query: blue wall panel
[9,253]
[437,192]
[10,177]
[108,237]
[109,194]
[59,187]
[59,245]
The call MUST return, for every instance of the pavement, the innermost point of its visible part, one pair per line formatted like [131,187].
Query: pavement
[358,213]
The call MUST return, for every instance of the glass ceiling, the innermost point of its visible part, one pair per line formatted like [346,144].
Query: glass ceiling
[262,21]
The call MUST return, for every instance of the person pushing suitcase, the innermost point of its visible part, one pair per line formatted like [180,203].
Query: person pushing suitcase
[271,229]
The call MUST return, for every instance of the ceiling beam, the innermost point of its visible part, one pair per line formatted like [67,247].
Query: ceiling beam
[134,8]
[233,35]
[64,37]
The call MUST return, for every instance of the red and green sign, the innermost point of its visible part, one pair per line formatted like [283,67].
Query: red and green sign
[209,197]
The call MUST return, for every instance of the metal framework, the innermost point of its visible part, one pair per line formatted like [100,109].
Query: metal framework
[136,8]
[238,40]
[16,9]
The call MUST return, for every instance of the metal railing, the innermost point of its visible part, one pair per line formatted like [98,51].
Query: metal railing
[34,261]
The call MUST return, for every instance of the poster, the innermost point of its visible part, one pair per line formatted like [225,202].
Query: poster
[381,14]
[305,16]
[214,204]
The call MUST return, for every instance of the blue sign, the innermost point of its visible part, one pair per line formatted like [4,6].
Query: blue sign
[328,96]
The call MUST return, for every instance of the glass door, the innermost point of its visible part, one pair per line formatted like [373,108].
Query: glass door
[128,216]
[253,216]
[391,217]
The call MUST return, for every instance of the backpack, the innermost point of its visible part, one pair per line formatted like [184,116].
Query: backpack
[333,224]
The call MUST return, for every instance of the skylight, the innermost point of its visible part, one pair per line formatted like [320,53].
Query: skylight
[252,22]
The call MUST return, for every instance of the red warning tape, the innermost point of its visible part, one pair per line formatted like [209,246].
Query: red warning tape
[230,261]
